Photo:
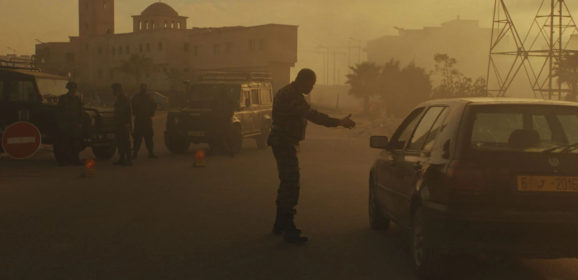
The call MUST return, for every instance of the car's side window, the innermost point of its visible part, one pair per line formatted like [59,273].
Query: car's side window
[255,97]
[403,133]
[245,101]
[422,130]
[21,91]
[435,131]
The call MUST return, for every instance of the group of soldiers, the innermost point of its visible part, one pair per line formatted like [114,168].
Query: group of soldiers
[291,112]
[142,107]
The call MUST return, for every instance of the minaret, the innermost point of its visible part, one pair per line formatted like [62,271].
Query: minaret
[96,17]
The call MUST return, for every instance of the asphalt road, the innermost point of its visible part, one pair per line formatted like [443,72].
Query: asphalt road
[165,219]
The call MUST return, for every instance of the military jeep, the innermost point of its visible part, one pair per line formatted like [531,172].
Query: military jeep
[222,109]
[29,95]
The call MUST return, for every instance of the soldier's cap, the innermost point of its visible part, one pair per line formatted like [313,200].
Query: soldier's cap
[71,85]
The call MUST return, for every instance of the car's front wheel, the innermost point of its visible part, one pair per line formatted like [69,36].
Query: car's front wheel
[104,152]
[427,261]
[377,220]
[177,144]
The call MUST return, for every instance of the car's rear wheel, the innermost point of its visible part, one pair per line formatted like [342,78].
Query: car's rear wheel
[376,219]
[177,144]
[427,261]
[104,152]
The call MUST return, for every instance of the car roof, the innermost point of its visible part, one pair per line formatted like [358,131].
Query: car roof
[496,101]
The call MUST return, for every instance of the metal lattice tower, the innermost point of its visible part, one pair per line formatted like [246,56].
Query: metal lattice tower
[504,30]
[544,46]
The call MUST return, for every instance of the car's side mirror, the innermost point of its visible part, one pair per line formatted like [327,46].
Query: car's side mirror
[379,142]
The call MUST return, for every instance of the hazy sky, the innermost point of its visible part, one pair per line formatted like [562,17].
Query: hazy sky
[322,22]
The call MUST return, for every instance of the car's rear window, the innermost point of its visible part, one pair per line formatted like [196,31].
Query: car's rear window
[522,127]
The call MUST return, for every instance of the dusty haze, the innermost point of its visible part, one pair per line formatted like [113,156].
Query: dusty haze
[322,22]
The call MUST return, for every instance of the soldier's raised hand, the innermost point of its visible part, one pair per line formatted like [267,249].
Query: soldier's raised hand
[347,122]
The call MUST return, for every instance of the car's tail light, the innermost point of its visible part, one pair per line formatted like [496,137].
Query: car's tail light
[465,176]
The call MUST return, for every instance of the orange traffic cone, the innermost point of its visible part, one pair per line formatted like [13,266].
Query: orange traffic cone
[200,158]
[89,168]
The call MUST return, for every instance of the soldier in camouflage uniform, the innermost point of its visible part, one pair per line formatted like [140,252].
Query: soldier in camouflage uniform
[69,142]
[143,109]
[123,125]
[290,115]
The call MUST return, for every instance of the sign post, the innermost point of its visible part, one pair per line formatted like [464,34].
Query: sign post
[21,140]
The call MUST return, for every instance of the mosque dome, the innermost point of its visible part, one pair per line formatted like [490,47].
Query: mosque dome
[160,9]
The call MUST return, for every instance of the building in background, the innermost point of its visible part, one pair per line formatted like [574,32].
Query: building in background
[98,57]
[463,40]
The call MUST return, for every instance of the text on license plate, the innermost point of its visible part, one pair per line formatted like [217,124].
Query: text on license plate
[548,183]
[197,133]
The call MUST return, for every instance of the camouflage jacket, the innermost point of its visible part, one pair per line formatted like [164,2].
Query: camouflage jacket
[122,111]
[69,111]
[143,106]
[290,115]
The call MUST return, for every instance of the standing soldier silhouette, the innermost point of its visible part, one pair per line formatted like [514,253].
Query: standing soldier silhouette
[123,125]
[69,142]
[143,109]
[290,115]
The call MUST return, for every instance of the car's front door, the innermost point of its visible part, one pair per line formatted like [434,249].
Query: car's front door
[385,173]
[411,166]
[244,113]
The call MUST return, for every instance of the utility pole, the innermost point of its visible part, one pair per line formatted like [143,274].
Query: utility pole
[548,28]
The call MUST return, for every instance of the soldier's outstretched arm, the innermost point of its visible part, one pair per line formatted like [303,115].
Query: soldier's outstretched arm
[319,118]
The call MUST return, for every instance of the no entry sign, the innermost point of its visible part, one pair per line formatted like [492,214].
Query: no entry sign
[21,140]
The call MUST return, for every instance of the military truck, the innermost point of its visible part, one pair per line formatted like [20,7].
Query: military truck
[26,94]
[222,109]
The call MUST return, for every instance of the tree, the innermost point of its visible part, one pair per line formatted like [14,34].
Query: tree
[364,81]
[567,73]
[403,88]
[398,89]
[453,83]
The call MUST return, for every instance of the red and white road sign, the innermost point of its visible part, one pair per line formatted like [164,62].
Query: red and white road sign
[21,140]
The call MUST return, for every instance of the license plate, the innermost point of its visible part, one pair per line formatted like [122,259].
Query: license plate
[548,183]
[197,133]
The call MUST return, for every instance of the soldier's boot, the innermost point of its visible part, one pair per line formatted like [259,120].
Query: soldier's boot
[281,224]
[277,226]
[291,233]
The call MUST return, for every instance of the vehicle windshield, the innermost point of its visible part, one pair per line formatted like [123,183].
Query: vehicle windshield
[13,90]
[51,87]
[214,95]
[523,127]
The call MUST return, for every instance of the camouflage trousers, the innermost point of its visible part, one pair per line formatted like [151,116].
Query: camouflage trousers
[123,142]
[288,168]
[143,129]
